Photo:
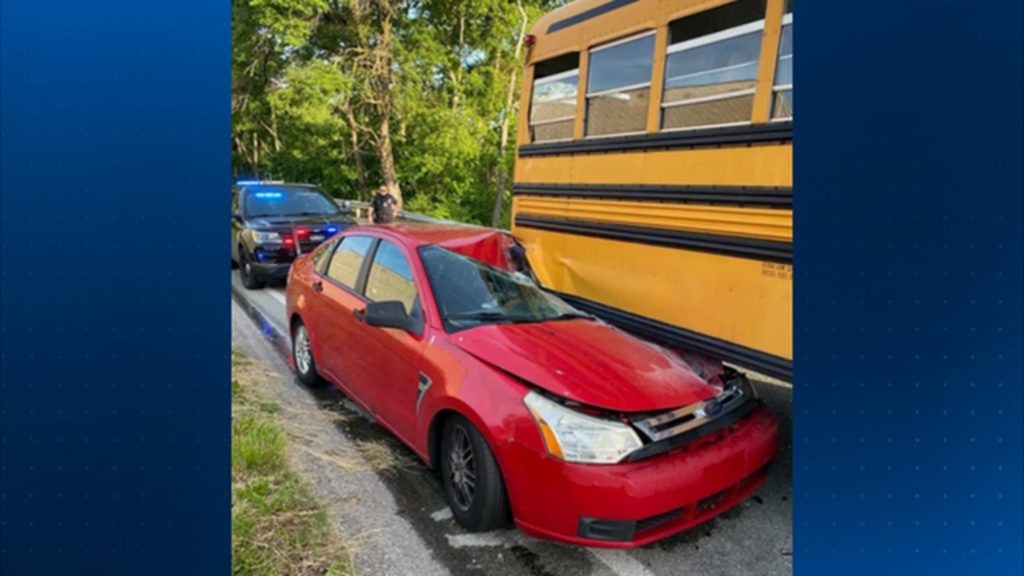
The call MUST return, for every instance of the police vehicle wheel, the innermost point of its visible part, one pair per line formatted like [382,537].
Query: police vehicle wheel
[246,272]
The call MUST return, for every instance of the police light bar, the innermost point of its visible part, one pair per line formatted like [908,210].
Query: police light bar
[257,182]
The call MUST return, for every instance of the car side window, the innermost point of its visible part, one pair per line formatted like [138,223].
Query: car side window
[348,260]
[391,278]
[320,257]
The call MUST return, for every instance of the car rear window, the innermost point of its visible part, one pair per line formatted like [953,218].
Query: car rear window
[321,255]
[348,260]
[391,278]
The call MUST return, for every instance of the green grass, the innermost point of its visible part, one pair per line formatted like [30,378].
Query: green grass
[278,527]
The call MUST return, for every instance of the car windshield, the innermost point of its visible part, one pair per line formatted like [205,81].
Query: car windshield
[281,201]
[470,292]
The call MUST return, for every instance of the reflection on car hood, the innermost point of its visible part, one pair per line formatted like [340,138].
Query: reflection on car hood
[589,362]
[289,221]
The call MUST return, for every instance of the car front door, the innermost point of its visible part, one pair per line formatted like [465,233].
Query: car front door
[335,329]
[390,364]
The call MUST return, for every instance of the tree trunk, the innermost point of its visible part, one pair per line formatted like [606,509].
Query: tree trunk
[457,75]
[387,159]
[376,63]
[353,128]
[385,86]
[499,193]
[255,154]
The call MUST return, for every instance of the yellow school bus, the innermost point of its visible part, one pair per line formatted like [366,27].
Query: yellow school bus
[653,183]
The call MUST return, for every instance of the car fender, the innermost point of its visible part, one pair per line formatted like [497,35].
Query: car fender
[429,412]
[489,397]
[296,302]
[493,402]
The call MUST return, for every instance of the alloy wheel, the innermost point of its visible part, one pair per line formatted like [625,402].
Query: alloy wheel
[303,354]
[462,468]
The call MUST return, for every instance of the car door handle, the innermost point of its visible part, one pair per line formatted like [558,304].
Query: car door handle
[318,286]
[359,314]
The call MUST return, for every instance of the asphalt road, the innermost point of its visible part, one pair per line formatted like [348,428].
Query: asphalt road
[399,523]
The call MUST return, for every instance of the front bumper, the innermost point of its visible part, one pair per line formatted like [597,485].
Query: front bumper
[271,271]
[635,503]
[271,262]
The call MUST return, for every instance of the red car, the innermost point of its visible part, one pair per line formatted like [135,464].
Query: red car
[528,407]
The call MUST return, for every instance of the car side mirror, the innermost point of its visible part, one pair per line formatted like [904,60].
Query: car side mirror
[390,314]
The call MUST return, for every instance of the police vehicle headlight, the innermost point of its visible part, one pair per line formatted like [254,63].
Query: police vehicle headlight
[265,237]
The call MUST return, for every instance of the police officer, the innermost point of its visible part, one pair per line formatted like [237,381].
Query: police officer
[383,207]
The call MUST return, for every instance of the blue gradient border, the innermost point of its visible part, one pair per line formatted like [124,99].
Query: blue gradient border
[908,285]
[115,345]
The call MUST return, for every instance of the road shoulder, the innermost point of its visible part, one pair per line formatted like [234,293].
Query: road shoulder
[358,504]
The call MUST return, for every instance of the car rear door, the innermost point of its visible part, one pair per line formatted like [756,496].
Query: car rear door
[390,362]
[336,331]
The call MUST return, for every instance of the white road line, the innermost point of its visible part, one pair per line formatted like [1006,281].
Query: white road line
[442,515]
[495,538]
[482,539]
[620,562]
[278,295]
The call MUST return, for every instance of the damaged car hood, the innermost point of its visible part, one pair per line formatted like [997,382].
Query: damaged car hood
[588,362]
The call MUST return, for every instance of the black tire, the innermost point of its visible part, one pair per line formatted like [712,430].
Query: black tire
[305,371]
[249,279]
[485,507]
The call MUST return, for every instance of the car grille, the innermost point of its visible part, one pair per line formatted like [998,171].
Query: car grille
[711,501]
[672,429]
[648,523]
[307,243]
[674,422]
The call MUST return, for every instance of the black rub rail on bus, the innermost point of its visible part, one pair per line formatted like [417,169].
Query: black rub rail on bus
[767,364]
[771,197]
[733,135]
[752,248]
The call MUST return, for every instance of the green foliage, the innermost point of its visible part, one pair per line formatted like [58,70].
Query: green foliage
[266,38]
[305,109]
[300,65]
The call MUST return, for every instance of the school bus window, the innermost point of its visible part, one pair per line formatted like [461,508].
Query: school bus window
[711,66]
[782,99]
[553,102]
[619,86]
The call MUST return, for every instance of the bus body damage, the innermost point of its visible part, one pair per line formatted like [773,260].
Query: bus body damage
[653,183]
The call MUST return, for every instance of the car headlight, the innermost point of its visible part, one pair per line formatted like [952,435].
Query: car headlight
[265,237]
[575,437]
